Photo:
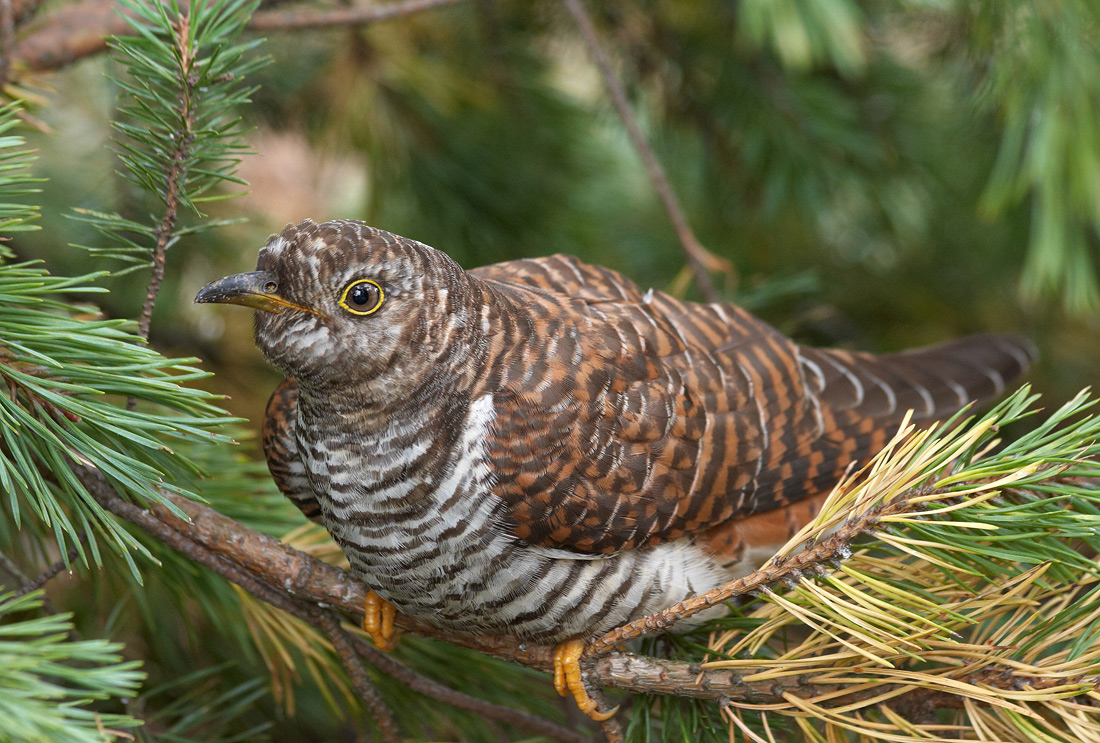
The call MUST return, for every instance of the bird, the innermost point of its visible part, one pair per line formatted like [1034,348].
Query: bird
[539,448]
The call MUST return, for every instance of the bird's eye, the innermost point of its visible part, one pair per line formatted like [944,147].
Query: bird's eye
[362,297]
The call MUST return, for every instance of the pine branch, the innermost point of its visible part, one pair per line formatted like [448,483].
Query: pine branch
[51,680]
[63,373]
[893,492]
[53,570]
[380,711]
[178,135]
[1043,81]
[256,569]
[178,159]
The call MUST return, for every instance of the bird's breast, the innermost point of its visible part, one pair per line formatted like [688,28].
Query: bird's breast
[419,522]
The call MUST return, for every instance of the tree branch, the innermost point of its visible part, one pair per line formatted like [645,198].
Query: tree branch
[183,138]
[300,18]
[699,258]
[299,583]
[455,698]
[341,643]
[7,39]
[51,572]
[80,30]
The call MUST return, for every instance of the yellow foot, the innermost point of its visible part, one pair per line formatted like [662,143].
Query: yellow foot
[378,622]
[567,679]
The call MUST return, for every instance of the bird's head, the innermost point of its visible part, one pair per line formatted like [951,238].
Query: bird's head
[341,301]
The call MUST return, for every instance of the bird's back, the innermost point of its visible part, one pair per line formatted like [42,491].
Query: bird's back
[626,418]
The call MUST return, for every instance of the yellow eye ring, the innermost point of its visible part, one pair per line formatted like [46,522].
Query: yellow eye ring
[362,297]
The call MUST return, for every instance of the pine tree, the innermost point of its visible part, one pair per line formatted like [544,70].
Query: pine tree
[154,584]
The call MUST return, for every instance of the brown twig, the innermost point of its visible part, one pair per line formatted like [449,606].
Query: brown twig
[303,576]
[457,699]
[698,256]
[297,19]
[80,30]
[52,571]
[7,38]
[104,494]
[259,564]
[612,729]
[341,643]
[176,173]
[9,565]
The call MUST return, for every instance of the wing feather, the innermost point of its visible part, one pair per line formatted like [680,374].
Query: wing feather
[631,418]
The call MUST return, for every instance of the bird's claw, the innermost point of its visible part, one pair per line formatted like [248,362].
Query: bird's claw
[378,622]
[567,679]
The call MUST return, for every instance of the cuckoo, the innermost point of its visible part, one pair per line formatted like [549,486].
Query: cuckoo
[541,449]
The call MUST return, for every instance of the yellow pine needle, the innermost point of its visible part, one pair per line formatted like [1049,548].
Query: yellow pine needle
[981,498]
[848,615]
[935,682]
[735,719]
[810,734]
[983,723]
[889,590]
[314,540]
[870,602]
[275,634]
[1032,731]
[874,730]
[1009,479]
[901,543]
[821,624]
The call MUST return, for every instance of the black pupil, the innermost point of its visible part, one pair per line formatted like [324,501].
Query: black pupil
[361,294]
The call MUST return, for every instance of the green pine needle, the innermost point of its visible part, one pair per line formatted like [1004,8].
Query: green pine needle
[48,682]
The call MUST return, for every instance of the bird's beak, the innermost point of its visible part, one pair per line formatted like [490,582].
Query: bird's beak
[256,289]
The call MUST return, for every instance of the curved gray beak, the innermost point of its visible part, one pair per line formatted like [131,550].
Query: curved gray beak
[256,289]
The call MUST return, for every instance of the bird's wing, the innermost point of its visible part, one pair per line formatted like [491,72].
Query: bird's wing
[630,418]
[281,449]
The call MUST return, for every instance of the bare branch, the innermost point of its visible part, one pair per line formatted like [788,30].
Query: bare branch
[7,38]
[52,571]
[300,18]
[69,34]
[80,30]
[454,698]
[699,258]
[341,643]
[8,565]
